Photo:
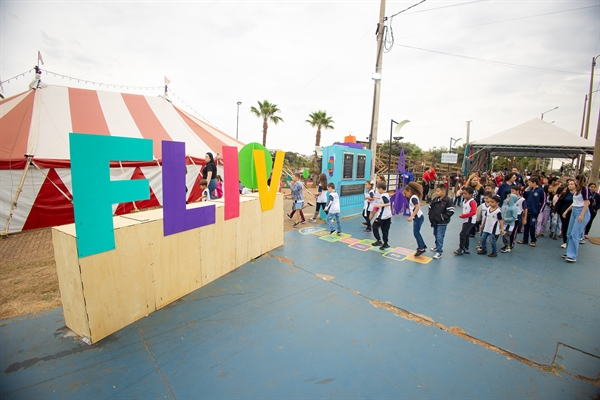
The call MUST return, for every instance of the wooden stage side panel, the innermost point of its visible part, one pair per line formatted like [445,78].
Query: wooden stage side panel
[146,271]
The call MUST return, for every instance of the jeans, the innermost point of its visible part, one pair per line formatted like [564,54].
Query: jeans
[493,239]
[530,228]
[439,231]
[330,217]
[417,223]
[575,232]
[212,185]
[464,235]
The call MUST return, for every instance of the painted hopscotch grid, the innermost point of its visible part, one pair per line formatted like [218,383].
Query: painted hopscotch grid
[309,230]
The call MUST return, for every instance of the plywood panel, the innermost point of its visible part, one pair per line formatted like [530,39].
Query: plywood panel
[272,226]
[217,247]
[248,241]
[69,282]
[117,284]
[175,263]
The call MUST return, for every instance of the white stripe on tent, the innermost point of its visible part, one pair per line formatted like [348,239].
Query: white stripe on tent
[154,176]
[177,129]
[10,104]
[65,176]
[9,181]
[229,141]
[117,116]
[117,175]
[54,123]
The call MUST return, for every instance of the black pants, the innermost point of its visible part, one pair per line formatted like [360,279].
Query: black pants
[425,190]
[464,235]
[589,224]
[515,232]
[529,228]
[320,206]
[367,216]
[385,228]
[565,226]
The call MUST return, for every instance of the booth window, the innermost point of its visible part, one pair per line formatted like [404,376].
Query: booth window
[360,167]
[348,166]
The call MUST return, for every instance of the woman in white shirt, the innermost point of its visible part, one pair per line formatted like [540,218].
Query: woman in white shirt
[580,215]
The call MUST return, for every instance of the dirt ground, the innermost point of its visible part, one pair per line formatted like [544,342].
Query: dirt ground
[28,279]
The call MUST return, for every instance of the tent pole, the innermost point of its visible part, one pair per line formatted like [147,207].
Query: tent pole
[4,234]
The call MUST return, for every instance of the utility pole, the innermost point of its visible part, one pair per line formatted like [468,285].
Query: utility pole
[377,89]
[596,161]
[469,131]
[587,120]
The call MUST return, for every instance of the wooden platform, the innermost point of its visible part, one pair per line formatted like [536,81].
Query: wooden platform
[106,292]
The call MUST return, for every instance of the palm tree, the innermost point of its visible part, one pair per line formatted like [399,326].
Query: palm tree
[320,120]
[267,112]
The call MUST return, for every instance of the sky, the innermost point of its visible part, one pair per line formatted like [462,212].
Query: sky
[495,63]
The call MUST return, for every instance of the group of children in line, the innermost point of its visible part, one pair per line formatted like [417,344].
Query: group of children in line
[505,210]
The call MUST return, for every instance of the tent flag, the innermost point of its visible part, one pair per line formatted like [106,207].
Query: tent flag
[40,59]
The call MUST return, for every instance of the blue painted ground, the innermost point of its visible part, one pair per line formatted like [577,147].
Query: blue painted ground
[274,329]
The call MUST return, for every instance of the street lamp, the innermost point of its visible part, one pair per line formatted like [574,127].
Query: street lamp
[395,133]
[542,117]
[453,142]
[239,103]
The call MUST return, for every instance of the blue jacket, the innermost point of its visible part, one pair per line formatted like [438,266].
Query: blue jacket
[510,211]
[503,191]
[535,199]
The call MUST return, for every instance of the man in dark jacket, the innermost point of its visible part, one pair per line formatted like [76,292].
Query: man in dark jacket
[504,189]
[440,211]
[535,200]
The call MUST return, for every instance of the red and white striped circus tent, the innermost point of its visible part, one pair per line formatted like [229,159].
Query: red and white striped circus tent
[34,148]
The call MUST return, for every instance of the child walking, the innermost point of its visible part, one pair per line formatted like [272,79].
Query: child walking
[332,208]
[441,210]
[491,223]
[383,219]
[298,200]
[511,216]
[468,217]
[413,193]
[368,206]
[205,191]
[321,197]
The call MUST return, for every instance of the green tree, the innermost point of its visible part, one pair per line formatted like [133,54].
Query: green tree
[320,120]
[267,112]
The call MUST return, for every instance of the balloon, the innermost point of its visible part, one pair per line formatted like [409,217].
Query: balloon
[246,163]
[305,174]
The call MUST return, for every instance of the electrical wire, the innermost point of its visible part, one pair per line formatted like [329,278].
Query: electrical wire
[414,5]
[16,77]
[493,62]
[116,86]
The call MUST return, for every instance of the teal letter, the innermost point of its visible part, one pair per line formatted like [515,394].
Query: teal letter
[94,192]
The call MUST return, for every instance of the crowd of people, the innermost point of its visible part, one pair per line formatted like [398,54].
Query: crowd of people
[517,208]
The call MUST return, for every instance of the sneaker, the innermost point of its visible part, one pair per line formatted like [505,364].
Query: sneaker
[339,233]
[493,255]
[311,220]
[385,246]
[437,256]
[459,252]
[582,241]
[569,259]
[289,216]
[303,222]
[503,249]
[466,251]
[377,244]
[434,249]
[332,232]
[364,223]
[563,246]
[367,230]
[310,203]
[296,224]
[419,252]
[564,256]
[481,251]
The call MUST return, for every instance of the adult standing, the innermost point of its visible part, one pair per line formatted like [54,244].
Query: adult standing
[563,209]
[408,177]
[594,206]
[504,189]
[580,216]
[209,172]
[429,178]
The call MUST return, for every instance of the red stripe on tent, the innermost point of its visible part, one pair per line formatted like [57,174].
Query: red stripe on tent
[126,208]
[50,207]
[211,141]
[86,112]
[148,124]
[14,129]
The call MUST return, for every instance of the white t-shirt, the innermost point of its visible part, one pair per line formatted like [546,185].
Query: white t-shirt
[579,199]
[519,205]
[333,204]
[322,197]
[492,218]
[468,206]
[385,212]
[368,204]
[206,195]
[412,202]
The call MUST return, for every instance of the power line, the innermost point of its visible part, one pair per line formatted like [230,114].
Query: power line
[492,61]
[406,9]
[116,86]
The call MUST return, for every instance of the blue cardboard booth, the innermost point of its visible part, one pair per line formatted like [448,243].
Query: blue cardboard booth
[348,167]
